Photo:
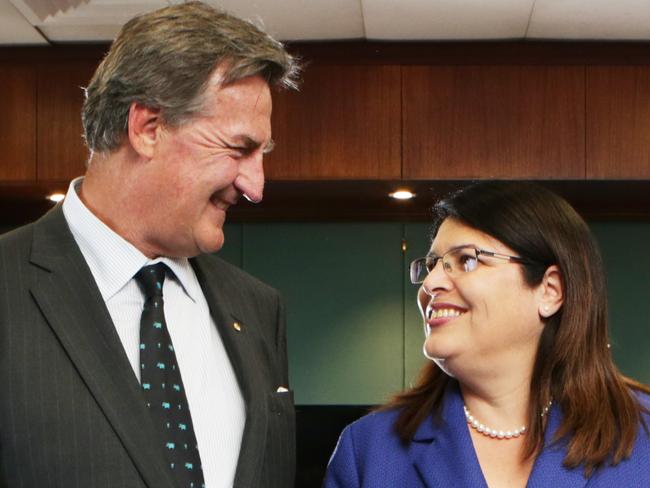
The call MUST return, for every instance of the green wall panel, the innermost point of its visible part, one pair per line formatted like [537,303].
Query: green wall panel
[343,287]
[232,246]
[624,246]
[418,238]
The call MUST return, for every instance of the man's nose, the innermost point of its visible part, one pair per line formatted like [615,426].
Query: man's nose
[250,181]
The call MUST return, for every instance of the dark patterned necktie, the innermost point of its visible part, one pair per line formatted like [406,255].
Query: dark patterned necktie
[162,384]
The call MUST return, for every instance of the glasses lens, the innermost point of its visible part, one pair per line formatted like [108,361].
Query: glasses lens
[418,271]
[421,267]
[461,260]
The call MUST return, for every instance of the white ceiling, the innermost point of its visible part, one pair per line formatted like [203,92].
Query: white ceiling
[51,21]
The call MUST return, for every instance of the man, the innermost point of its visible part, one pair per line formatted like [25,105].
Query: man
[122,362]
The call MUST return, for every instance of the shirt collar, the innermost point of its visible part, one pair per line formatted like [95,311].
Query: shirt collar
[113,260]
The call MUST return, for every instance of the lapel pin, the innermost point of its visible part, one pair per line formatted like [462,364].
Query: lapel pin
[236,326]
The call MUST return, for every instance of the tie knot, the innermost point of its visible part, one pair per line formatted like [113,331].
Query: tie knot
[151,279]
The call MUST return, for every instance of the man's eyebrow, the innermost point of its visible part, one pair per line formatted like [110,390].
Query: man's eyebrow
[247,142]
[250,144]
[269,147]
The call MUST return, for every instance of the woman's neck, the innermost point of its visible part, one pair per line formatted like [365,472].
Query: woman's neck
[500,402]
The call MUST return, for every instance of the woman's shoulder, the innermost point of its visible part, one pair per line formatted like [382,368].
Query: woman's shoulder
[372,440]
[374,432]
[633,470]
[379,423]
[644,401]
[644,398]
[642,443]
[371,453]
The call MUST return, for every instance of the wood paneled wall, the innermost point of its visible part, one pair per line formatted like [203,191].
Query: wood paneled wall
[385,112]
[17,122]
[344,123]
[618,125]
[493,122]
[61,152]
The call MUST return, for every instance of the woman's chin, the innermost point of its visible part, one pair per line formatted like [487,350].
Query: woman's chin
[439,356]
[435,349]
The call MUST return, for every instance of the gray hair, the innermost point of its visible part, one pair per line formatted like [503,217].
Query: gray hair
[164,59]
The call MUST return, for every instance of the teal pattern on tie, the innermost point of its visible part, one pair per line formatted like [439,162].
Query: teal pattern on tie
[162,385]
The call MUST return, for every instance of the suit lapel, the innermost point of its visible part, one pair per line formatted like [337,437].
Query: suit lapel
[548,469]
[241,345]
[72,305]
[442,450]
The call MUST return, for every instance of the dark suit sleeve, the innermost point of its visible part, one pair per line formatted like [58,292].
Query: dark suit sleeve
[342,469]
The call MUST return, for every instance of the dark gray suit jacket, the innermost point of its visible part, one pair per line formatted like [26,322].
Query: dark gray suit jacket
[71,410]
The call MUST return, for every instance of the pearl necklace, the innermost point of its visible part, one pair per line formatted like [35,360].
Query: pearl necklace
[498,434]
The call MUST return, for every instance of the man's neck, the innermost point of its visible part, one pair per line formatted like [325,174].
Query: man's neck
[110,191]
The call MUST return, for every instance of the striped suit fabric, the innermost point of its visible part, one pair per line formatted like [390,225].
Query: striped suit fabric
[71,411]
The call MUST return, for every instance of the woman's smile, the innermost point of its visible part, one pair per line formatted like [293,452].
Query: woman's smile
[438,314]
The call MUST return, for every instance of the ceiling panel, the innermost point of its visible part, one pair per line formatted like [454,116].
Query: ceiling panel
[591,19]
[100,20]
[15,29]
[36,11]
[83,20]
[96,20]
[301,19]
[446,19]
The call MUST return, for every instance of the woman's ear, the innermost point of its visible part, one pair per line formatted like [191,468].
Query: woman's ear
[143,132]
[551,292]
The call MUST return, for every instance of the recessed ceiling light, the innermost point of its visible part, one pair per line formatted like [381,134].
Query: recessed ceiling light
[402,195]
[55,197]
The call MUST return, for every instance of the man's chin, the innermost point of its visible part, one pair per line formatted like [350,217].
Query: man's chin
[211,244]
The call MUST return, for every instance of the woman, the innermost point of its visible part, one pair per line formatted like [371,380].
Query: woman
[521,390]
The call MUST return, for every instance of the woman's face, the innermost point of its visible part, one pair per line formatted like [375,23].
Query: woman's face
[484,319]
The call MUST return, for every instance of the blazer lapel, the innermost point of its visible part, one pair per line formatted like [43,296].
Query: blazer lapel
[443,453]
[241,345]
[548,469]
[72,305]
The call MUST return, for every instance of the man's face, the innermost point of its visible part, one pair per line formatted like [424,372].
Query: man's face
[202,167]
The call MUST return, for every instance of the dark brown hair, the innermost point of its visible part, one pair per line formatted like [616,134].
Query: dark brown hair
[164,59]
[574,367]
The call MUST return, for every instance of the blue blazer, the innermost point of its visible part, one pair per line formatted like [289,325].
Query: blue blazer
[370,454]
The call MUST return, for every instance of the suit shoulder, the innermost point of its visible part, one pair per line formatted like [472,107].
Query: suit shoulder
[21,238]
[18,234]
[17,241]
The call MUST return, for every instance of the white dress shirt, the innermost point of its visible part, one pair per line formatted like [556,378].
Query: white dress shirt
[215,400]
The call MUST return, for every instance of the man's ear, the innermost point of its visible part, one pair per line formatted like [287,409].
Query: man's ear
[551,292]
[143,129]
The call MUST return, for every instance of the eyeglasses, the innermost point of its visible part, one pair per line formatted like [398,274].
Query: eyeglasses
[455,262]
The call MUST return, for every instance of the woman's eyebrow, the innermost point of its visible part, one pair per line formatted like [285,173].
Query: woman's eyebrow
[453,248]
